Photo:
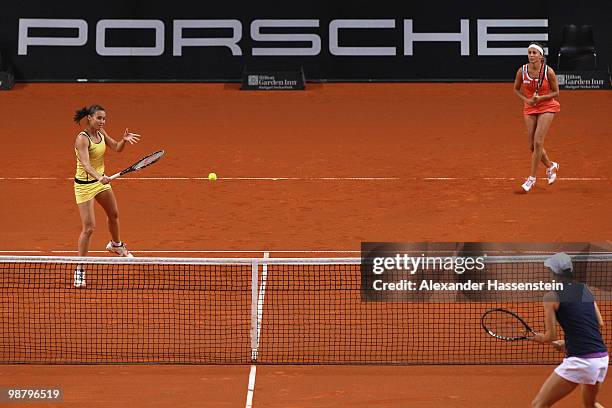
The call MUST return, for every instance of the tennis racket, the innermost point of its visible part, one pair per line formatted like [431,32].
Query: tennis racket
[540,76]
[505,325]
[140,164]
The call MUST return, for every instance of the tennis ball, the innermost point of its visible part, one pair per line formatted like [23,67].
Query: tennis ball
[212,176]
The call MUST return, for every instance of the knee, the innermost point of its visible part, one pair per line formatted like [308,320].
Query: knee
[538,403]
[113,215]
[537,145]
[88,229]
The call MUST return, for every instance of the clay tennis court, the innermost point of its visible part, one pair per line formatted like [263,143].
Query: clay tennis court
[301,172]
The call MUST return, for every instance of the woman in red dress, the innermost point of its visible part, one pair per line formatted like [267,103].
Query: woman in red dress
[540,106]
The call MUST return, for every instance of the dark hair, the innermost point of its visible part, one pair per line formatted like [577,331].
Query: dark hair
[566,275]
[86,110]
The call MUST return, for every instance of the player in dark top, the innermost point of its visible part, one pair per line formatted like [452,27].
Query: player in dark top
[586,355]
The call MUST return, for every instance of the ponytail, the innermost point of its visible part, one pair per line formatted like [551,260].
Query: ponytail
[85,111]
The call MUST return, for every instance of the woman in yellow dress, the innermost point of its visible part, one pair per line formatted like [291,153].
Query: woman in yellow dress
[90,181]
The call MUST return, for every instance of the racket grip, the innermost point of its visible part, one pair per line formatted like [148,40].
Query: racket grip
[114,176]
[532,335]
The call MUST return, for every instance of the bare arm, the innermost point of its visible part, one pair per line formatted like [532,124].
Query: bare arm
[119,145]
[518,82]
[551,304]
[112,143]
[599,318]
[81,145]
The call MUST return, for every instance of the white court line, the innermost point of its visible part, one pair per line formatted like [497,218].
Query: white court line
[309,178]
[510,178]
[254,353]
[251,387]
[314,178]
[32,178]
[222,178]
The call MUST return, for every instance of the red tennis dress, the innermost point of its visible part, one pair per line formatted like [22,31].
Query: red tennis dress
[529,87]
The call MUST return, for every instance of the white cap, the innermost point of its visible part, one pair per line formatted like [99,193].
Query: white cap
[559,263]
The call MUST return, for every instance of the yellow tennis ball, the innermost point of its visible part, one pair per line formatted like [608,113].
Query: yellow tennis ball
[212,176]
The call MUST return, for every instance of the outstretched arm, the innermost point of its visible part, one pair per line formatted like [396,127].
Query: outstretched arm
[118,146]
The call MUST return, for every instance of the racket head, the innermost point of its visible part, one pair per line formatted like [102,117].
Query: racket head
[145,161]
[505,325]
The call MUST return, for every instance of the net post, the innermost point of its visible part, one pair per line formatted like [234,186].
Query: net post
[254,303]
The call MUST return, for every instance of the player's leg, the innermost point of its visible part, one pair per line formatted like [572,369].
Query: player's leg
[544,122]
[551,166]
[543,125]
[88,225]
[108,202]
[542,128]
[531,122]
[589,395]
[553,389]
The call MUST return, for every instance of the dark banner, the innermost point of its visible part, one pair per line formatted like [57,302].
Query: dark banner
[264,80]
[208,41]
[584,80]
[481,271]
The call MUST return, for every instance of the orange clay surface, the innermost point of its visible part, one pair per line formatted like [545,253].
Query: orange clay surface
[288,386]
[454,155]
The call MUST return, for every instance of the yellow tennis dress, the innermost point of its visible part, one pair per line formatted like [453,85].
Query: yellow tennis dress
[85,186]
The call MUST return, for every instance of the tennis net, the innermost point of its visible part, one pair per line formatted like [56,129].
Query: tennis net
[240,311]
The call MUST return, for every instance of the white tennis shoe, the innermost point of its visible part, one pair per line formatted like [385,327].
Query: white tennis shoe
[79,277]
[120,249]
[530,182]
[551,172]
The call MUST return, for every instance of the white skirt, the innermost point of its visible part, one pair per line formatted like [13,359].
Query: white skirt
[583,370]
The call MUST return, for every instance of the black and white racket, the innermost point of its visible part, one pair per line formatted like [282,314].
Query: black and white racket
[541,75]
[140,164]
[506,325]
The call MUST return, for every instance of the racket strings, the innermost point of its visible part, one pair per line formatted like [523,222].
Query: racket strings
[148,160]
[504,325]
